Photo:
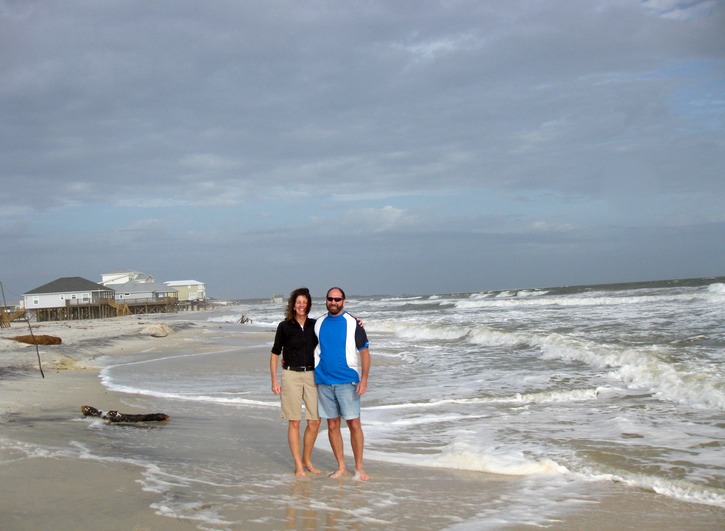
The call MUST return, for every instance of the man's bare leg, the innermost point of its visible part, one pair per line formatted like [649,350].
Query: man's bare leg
[335,437]
[293,436]
[357,440]
[313,426]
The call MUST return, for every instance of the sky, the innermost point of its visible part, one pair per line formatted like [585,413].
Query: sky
[387,147]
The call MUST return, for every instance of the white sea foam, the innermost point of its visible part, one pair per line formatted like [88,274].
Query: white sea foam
[462,456]
[677,489]
[220,400]
[641,368]
[509,300]
[480,335]
[682,490]
[543,397]
[717,289]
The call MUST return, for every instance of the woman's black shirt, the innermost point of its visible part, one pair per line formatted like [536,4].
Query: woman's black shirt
[295,343]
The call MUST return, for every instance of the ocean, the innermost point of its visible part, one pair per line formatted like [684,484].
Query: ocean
[495,409]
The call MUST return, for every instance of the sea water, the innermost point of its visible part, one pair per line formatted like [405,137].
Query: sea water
[553,394]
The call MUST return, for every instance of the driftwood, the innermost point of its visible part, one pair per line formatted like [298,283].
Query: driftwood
[114,416]
[38,340]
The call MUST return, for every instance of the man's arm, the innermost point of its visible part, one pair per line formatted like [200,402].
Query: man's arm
[365,369]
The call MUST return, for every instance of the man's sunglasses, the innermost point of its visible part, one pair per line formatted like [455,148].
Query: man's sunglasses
[334,299]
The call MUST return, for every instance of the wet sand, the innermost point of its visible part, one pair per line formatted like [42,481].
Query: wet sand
[64,492]
[50,491]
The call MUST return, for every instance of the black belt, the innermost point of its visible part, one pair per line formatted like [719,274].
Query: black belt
[301,368]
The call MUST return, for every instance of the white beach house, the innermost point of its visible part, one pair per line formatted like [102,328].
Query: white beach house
[70,298]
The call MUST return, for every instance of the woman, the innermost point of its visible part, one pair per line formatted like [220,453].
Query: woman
[295,340]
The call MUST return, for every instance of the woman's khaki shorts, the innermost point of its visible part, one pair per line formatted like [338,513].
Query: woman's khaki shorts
[298,387]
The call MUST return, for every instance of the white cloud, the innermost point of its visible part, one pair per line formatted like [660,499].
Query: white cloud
[426,50]
[681,9]
[376,220]
[209,162]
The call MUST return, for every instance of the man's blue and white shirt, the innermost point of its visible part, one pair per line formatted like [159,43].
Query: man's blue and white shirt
[337,358]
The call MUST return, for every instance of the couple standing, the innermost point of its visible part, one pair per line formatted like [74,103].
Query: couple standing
[325,364]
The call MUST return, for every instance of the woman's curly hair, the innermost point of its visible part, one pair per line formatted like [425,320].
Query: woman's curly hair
[290,312]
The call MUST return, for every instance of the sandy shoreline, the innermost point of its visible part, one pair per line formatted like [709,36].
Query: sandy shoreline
[57,492]
[44,489]
[64,492]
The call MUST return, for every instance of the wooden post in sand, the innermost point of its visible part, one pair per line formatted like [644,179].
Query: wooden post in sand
[37,350]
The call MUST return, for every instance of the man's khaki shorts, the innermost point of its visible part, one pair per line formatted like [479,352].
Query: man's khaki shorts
[299,387]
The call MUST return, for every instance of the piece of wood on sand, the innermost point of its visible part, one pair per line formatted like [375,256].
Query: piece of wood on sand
[116,417]
[38,340]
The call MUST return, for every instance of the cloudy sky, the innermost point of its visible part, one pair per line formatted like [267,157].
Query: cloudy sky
[390,147]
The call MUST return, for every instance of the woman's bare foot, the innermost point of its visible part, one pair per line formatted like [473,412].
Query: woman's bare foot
[312,468]
[361,475]
[339,473]
[300,473]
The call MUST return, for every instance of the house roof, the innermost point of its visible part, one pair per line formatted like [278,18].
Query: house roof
[133,286]
[120,272]
[181,282]
[111,278]
[67,285]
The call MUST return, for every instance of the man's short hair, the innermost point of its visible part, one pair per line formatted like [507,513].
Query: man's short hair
[338,289]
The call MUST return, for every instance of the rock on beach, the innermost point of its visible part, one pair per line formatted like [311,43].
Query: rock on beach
[157,330]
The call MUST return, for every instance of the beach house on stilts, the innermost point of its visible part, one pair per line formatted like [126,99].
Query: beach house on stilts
[120,293]
[71,298]
[140,292]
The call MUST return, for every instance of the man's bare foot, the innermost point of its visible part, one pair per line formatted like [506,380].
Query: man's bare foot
[312,468]
[339,473]
[361,475]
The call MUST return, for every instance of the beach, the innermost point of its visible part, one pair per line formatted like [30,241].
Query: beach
[45,491]
[59,470]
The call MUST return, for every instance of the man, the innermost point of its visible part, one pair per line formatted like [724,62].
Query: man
[342,364]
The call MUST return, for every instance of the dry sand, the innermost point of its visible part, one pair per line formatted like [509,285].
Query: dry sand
[82,341]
